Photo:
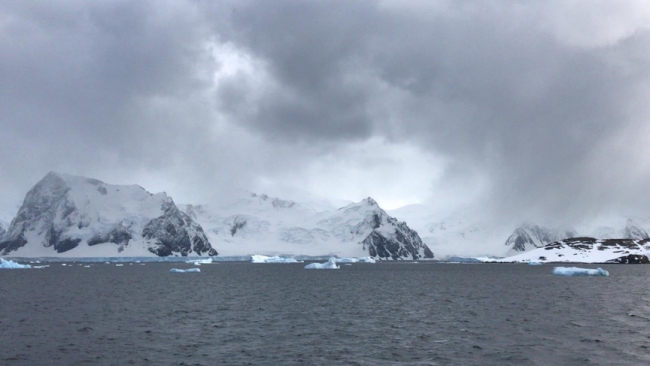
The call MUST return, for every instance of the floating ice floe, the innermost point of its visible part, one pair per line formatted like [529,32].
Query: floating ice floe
[274,259]
[575,271]
[185,270]
[531,263]
[355,260]
[7,264]
[330,264]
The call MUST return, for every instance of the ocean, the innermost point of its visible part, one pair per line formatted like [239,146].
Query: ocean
[395,313]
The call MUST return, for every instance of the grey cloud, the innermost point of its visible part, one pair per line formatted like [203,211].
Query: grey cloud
[485,85]
[126,87]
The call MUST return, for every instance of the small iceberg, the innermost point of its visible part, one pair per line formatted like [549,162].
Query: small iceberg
[274,259]
[330,264]
[7,264]
[189,270]
[531,263]
[575,271]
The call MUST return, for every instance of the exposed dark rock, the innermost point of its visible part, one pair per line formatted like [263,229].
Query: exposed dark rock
[630,259]
[175,232]
[12,244]
[119,235]
[237,224]
[401,243]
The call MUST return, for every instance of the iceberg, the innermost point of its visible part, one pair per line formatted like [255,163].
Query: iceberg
[531,263]
[274,259]
[330,264]
[575,271]
[177,270]
[356,260]
[7,264]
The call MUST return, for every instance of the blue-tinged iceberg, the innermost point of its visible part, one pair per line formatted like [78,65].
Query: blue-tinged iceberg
[356,260]
[7,264]
[275,259]
[177,270]
[575,271]
[531,263]
[330,264]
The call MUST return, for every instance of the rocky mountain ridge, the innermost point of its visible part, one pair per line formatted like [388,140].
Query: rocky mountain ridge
[86,217]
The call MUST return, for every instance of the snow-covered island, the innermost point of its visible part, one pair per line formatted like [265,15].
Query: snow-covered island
[587,250]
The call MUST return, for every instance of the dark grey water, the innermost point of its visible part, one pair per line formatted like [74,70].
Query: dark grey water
[364,314]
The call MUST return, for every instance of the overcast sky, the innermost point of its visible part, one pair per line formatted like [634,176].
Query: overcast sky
[524,110]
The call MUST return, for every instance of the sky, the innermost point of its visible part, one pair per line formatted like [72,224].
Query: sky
[531,110]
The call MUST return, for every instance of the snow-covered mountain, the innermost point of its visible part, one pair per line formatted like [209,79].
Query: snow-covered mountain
[64,215]
[265,225]
[530,236]
[464,233]
[588,250]
[616,227]
[459,233]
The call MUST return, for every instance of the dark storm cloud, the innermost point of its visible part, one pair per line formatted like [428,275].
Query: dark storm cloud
[487,85]
[498,89]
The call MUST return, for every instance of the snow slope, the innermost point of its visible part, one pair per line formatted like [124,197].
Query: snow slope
[65,215]
[258,224]
[459,233]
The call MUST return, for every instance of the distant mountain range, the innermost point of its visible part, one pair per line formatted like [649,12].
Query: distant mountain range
[65,215]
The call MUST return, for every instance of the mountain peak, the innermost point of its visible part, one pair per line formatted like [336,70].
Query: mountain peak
[371,201]
[70,213]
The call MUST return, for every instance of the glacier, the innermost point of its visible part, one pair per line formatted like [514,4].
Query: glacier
[290,228]
[575,271]
[330,264]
